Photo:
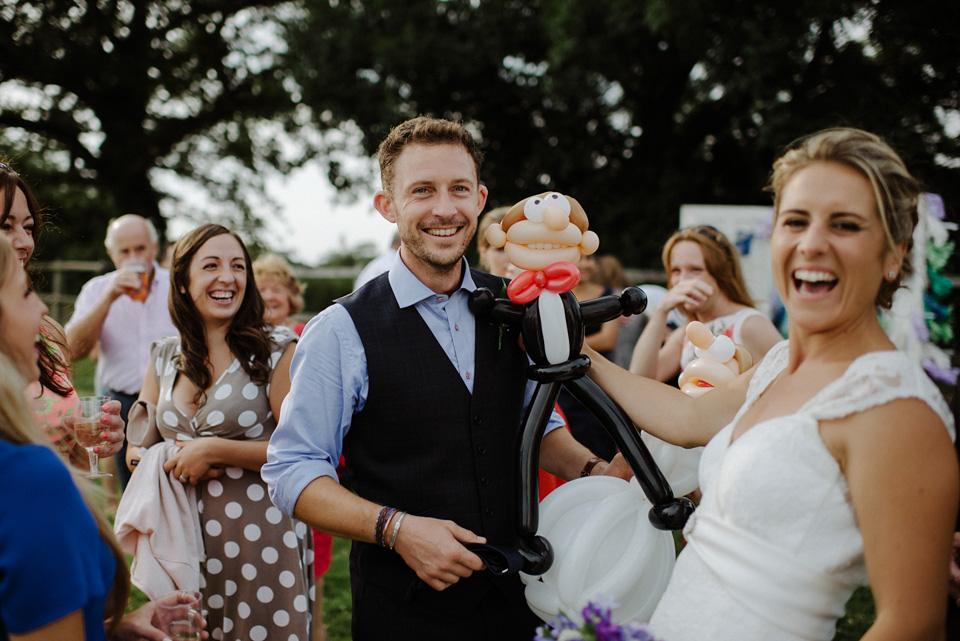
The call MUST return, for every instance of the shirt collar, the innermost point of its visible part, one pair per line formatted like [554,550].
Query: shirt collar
[409,290]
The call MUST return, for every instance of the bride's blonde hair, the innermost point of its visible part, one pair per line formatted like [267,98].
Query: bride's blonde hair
[18,425]
[896,192]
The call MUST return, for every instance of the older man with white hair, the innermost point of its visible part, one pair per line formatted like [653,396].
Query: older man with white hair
[125,311]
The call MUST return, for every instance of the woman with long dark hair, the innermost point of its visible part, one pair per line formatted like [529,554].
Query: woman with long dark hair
[52,397]
[214,392]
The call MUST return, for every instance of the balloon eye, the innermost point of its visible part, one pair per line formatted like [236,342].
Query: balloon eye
[533,209]
[558,200]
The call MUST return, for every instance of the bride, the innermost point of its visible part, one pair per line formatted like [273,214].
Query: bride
[829,464]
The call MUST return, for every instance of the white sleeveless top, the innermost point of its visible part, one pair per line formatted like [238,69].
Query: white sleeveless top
[774,551]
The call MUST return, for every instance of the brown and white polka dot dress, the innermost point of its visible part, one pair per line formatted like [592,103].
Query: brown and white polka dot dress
[255,580]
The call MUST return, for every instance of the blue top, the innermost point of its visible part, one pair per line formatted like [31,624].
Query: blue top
[330,382]
[52,559]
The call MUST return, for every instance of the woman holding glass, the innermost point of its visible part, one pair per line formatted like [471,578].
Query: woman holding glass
[51,395]
[830,463]
[215,392]
[62,574]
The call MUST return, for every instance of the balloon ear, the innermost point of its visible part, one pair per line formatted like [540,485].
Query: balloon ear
[496,236]
[743,357]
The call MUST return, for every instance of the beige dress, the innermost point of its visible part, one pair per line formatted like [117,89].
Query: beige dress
[255,580]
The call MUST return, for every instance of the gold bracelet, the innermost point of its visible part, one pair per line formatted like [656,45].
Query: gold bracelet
[588,467]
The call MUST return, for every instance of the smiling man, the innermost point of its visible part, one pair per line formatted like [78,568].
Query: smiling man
[425,404]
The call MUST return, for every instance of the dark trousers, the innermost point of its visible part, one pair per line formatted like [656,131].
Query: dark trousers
[126,402]
[380,614]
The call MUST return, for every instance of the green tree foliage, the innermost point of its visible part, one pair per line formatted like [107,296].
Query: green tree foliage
[118,106]
[638,106]
[633,106]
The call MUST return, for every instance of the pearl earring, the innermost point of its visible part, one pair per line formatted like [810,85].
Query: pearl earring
[891,274]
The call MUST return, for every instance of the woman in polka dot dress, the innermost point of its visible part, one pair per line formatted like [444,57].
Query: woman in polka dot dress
[217,389]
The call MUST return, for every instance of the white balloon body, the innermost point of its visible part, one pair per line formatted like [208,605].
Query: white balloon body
[603,545]
[679,465]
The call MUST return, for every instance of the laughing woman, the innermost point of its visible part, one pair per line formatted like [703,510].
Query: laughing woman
[216,391]
[62,575]
[51,395]
[829,464]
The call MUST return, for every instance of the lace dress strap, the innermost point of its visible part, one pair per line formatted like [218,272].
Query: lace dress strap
[875,379]
[774,362]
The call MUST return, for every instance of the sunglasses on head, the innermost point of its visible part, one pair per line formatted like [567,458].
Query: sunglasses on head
[709,231]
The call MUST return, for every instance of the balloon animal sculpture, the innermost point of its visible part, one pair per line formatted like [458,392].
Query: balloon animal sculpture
[603,543]
[718,361]
[546,235]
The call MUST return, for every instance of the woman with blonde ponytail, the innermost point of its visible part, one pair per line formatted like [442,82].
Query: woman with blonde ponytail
[62,574]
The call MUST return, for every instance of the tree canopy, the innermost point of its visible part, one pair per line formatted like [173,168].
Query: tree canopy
[632,106]
[636,107]
[114,106]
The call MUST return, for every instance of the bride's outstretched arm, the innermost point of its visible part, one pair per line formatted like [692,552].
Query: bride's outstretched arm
[665,411]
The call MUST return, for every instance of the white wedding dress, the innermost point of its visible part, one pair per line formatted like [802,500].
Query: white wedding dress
[773,550]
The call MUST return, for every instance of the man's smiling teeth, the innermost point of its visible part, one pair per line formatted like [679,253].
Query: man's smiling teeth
[814,276]
[443,232]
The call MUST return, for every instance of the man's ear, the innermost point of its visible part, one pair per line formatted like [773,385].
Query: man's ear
[383,203]
[482,193]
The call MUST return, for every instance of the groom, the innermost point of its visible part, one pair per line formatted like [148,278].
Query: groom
[426,405]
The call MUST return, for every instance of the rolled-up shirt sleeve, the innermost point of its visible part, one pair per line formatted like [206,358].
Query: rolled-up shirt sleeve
[328,385]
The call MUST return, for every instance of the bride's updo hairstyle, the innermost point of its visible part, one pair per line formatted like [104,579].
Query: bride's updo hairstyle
[895,190]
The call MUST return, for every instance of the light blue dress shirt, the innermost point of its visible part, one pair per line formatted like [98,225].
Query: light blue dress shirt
[329,381]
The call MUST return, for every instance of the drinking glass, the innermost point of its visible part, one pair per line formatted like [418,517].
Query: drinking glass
[142,270]
[88,428]
[180,615]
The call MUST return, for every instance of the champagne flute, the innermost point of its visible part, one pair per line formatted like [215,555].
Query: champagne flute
[88,427]
[181,615]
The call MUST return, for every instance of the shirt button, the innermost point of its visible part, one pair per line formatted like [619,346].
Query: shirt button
[477,420]
[489,511]
[468,376]
[456,327]
[484,480]
[481,449]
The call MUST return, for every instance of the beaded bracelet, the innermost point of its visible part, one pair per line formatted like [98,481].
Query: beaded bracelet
[382,519]
[396,529]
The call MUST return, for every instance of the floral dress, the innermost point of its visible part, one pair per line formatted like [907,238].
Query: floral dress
[256,577]
[50,409]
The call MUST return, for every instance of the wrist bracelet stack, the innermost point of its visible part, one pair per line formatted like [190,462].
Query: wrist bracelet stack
[383,520]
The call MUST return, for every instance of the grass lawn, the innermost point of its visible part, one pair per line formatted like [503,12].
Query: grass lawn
[336,589]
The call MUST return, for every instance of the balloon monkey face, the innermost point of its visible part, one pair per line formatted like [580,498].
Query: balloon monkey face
[718,360]
[542,230]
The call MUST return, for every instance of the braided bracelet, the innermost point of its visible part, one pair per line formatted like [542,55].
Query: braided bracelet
[382,519]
